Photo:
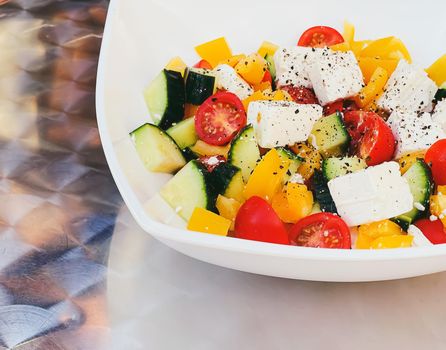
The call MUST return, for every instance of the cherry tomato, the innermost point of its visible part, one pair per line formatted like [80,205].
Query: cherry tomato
[257,221]
[372,139]
[211,162]
[321,230]
[203,64]
[219,118]
[340,106]
[301,94]
[433,230]
[320,36]
[267,78]
[436,158]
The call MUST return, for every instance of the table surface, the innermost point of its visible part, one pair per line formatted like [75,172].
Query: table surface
[76,272]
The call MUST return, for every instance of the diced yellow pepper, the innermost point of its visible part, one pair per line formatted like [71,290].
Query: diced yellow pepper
[294,203]
[266,95]
[203,220]
[349,32]
[312,159]
[437,71]
[266,179]
[256,96]
[252,68]
[363,241]
[177,64]
[267,48]
[438,204]
[228,208]
[408,159]
[345,46]
[380,229]
[368,66]
[390,48]
[262,86]
[281,95]
[233,60]
[373,89]
[204,149]
[441,190]
[358,46]
[214,51]
[389,242]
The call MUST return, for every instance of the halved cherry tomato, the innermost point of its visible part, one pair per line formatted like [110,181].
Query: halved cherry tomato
[436,158]
[219,118]
[433,230]
[372,139]
[211,162]
[301,94]
[320,36]
[257,221]
[321,230]
[340,106]
[267,78]
[203,64]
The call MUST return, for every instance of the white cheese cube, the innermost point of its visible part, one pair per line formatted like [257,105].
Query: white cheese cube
[290,64]
[408,89]
[334,75]
[373,194]
[439,115]
[413,131]
[228,79]
[281,123]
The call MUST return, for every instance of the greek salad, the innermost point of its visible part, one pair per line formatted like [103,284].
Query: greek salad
[331,143]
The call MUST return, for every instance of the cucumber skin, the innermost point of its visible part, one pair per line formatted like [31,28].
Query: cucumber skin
[221,176]
[322,193]
[174,112]
[441,94]
[198,96]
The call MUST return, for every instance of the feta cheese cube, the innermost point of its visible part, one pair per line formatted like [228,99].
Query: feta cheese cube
[290,64]
[373,194]
[439,115]
[413,131]
[281,123]
[334,75]
[408,89]
[228,79]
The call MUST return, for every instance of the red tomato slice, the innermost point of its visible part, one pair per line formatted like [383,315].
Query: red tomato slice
[219,118]
[257,221]
[340,106]
[436,158]
[203,64]
[267,78]
[301,94]
[320,36]
[433,230]
[372,138]
[211,162]
[321,230]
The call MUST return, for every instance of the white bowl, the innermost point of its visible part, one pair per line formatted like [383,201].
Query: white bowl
[142,35]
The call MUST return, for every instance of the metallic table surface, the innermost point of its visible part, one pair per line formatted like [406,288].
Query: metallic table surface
[76,272]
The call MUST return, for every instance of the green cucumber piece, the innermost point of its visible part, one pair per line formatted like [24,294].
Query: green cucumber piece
[295,161]
[200,84]
[188,189]
[322,193]
[227,180]
[271,66]
[334,167]
[244,152]
[156,149]
[184,133]
[165,98]
[330,136]
[441,93]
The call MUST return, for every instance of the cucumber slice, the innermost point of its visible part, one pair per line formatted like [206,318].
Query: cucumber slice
[295,161]
[200,84]
[244,152]
[188,154]
[184,133]
[322,193]
[441,93]
[421,185]
[157,150]
[188,189]
[334,167]
[330,136]
[165,98]
[271,66]
[227,180]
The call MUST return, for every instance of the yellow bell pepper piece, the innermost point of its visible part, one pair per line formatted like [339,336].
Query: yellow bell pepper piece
[294,203]
[438,204]
[363,241]
[252,68]
[281,95]
[349,32]
[358,46]
[389,242]
[437,71]
[256,96]
[266,179]
[176,64]
[408,159]
[389,47]
[204,149]
[369,65]
[312,159]
[228,208]
[380,229]
[214,51]
[267,48]
[262,86]
[345,46]
[373,89]
[203,220]
[233,60]
[266,95]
